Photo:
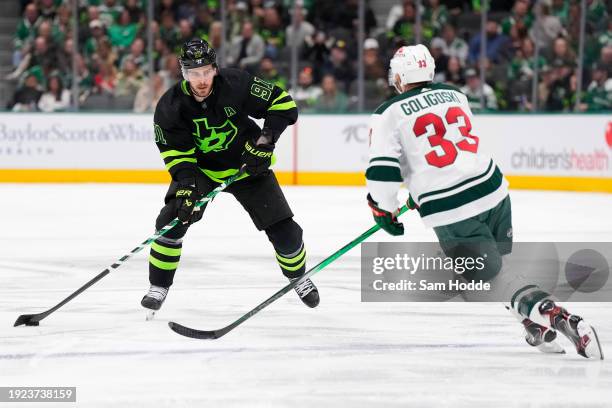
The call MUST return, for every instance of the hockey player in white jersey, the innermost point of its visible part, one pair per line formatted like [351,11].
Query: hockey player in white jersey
[421,137]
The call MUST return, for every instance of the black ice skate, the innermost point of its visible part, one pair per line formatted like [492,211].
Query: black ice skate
[574,328]
[541,337]
[308,292]
[153,300]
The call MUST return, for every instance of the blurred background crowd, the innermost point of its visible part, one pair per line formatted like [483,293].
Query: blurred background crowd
[531,63]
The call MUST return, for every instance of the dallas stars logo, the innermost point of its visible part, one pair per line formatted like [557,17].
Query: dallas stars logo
[214,138]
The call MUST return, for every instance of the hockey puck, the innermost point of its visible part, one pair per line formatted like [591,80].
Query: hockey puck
[32,323]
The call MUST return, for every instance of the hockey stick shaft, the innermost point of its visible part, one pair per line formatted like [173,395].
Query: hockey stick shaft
[215,334]
[33,319]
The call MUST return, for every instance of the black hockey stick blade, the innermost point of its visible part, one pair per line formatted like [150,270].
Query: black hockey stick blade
[28,320]
[196,334]
[34,319]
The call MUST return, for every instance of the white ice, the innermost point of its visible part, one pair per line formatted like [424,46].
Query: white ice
[343,353]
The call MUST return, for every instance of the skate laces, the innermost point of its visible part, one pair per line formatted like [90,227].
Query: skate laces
[304,288]
[157,292]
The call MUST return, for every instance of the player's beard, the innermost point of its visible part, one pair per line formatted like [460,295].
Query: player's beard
[202,93]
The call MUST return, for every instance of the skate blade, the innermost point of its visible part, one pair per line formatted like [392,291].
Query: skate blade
[150,315]
[551,348]
[593,349]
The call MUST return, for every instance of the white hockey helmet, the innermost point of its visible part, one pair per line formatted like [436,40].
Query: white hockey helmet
[413,64]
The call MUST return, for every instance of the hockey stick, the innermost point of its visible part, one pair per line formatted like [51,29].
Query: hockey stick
[215,334]
[34,319]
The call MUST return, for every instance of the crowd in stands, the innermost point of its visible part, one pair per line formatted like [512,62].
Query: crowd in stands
[111,64]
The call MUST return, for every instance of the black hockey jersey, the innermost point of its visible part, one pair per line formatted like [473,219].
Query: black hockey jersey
[209,136]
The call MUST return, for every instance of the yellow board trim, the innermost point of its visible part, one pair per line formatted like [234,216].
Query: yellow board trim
[330,179]
[83,176]
[603,185]
[284,177]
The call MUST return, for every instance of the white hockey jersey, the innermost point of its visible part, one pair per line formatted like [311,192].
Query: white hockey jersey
[422,138]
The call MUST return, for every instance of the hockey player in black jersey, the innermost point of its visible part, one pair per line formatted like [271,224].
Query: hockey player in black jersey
[205,135]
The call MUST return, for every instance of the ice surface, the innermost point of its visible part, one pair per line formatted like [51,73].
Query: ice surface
[344,353]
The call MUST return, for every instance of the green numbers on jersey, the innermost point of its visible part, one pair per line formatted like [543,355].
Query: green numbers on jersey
[261,89]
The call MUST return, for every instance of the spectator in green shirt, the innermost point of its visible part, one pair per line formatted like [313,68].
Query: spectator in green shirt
[520,16]
[97,33]
[110,12]
[597,14]
[404,27]
[48,8]
[473,91]
[560,9]
[168,31]
[123,34]
[436,16]
[523,64]
[26,31]
[272,32]
[598,96]
[331,100]
[268,71]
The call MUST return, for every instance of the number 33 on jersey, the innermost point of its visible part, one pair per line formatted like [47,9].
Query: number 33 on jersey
[423,138]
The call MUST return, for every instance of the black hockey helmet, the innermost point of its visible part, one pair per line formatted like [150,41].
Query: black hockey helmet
[197,53]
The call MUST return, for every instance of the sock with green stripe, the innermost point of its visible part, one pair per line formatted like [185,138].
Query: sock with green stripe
[286,238]
[293,265]
[163,261]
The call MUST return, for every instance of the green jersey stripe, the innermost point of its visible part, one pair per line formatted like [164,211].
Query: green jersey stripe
[527,302]
[457,200]
[385,164]
[458,185]
[518,292]
[281,96]
[172,153]
[384,158]
[283,106]
[184,88]
[384,173]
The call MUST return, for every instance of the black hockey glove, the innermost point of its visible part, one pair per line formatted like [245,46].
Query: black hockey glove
[187,196]
[257,154]
[385,219]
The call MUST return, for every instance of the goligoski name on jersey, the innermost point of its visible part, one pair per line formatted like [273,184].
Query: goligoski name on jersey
[209,136]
